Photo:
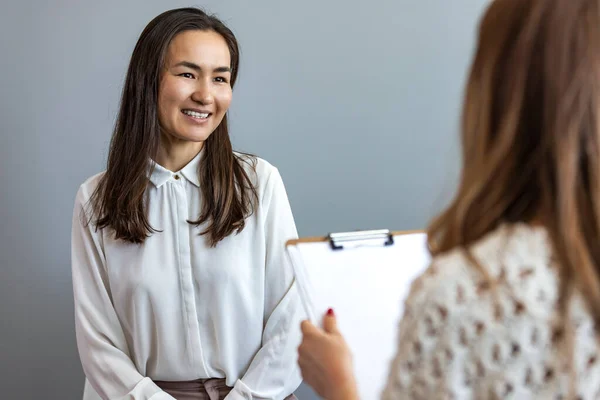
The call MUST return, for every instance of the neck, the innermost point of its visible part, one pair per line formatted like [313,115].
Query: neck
[174,155]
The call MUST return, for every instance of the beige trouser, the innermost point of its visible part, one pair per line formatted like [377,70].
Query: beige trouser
[200,389]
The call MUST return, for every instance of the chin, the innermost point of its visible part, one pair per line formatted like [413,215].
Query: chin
[195,136]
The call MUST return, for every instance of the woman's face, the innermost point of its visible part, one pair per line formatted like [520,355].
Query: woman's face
[195,90]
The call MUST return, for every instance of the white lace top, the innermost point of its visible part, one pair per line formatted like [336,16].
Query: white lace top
[458,341]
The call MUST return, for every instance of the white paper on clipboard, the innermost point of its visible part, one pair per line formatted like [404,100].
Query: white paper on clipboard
[366,284]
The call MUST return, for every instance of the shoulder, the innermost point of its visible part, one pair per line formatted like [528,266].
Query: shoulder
[514,284]
[516,258]
[456,325]
[83,209]
[263,174]
[257,165]
[88,187]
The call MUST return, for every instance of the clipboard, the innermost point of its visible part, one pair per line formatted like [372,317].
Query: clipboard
[365,277]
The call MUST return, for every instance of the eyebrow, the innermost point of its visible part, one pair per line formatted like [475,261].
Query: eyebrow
[196,67]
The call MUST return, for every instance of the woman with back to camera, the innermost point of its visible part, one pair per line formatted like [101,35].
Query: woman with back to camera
[181,287]
[510,306]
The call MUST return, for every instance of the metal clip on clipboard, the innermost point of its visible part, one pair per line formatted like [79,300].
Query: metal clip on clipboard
[342,240]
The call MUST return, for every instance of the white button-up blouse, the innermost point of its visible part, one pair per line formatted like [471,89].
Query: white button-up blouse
[175,309]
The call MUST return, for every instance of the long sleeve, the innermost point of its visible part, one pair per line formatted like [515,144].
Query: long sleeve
[273,373]
[463,337]
[100,339]
[450,342]
[419,369]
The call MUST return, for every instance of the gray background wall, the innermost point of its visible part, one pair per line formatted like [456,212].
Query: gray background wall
[356,102]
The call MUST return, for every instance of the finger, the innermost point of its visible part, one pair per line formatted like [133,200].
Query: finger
[308,328]
[330,322]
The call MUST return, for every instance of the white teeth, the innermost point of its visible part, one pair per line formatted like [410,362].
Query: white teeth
[195,114]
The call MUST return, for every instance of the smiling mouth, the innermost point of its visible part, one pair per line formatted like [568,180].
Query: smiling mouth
[196,114]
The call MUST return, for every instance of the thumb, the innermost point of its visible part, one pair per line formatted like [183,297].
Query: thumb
[330,322]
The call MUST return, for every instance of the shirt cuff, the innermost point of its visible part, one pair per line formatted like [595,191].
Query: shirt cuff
[147,389]
[239,392]
[162,396]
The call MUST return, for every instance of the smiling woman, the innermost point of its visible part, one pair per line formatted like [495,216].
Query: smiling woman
[181,286]
[194,92]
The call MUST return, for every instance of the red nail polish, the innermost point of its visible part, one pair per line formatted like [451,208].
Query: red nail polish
[330,312]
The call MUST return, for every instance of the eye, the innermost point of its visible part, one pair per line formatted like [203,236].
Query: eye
[187,75]
[221,79]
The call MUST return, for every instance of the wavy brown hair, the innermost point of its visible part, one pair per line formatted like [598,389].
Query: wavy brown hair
[531,137]
[119,202]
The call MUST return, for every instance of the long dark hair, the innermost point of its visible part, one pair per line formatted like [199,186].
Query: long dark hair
[531,137]
[119,201]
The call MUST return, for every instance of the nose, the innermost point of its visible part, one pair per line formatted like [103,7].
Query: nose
[203,93]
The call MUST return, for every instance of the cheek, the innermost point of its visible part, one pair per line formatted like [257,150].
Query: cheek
[169,95]
[163,104]
[224,99]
